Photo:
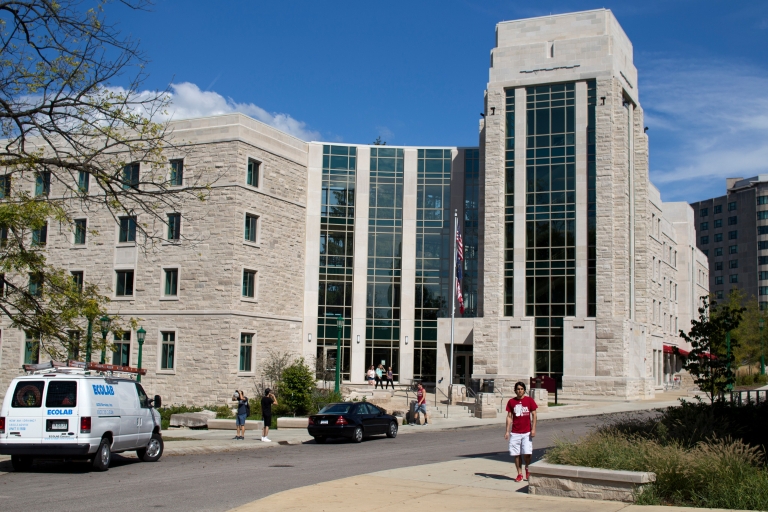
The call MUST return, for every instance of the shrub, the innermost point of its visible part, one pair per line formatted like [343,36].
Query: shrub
[322,397]
[296,387]
[223,412]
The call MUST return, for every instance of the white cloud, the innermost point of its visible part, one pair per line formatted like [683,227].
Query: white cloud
[188,101]
[708,121]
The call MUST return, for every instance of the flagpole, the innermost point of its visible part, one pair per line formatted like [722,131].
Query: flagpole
[453,300]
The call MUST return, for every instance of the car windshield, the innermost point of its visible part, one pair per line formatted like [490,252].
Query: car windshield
[336,409]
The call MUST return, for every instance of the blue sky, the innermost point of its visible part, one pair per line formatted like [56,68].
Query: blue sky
[413,72]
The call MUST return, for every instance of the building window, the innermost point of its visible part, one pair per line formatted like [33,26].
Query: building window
[252,178]
[31,349]
[719,294]
[124,283]
[732,221]
[80,229]
[733,264]
[763,306]
[40,236]
[763,290]
[762,260]
[177,173]
[718,223]
[43,183]
[131,176]
[73,347]
[171,282]
[36,284]
[762,215]
[763,275]
[122,354]
[246,352]
[5,186]
[704,240]
[733,235]
[762,199]
[704,212]
[718,209]
[718,251]
[174,226]
[762,230]
[168,350]
[718,237]
[718,265]
[249,283]
[732,206]
[718,279]
[83,182]
[763,245]
[704,226]
[77,278]
[733,249]
[127,229]
[251,227]
[734,278]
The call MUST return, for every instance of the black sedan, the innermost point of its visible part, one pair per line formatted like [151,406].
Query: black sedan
[354,420]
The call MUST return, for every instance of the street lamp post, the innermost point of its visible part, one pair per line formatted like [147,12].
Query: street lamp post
[762,348]
[728,358]
[89,342]
[140,335]
[104,321]
[339,329]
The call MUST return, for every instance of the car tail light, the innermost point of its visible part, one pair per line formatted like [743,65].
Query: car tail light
[85,425]
[342,421]
[311,421]
[2,425]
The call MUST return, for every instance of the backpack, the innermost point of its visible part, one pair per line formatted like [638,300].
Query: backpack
[247,407]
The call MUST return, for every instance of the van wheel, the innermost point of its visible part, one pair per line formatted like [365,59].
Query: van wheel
[21,463]
[153,451]
[103,456]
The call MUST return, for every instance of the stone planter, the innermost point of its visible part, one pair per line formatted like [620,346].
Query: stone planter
[290,422]
[222,424]
[583,482]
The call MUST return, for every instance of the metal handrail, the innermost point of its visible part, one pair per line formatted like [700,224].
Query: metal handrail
[447,400]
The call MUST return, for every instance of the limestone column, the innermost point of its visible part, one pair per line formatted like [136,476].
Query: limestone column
[408,264]
[519,252]
[312,256]
[360,272]
[581,200]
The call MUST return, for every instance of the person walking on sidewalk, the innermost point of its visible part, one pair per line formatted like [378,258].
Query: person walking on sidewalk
[421,403]
[242,413]
[390,378]
[521,429]
[379,375]
[267,401]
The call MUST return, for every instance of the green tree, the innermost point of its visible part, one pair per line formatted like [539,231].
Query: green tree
[709,361]
[72,138]
[748,331]
[298,383]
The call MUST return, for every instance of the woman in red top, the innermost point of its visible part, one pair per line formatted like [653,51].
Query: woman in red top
[521,417]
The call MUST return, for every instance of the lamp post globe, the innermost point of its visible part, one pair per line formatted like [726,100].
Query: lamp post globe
[141,334]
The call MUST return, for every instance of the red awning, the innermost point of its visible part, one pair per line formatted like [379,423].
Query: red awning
[669,349]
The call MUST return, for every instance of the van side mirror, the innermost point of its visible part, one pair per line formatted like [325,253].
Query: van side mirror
[157,402]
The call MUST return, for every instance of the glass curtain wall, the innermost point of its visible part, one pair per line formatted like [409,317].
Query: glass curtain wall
[434,229]
[550,220]
[337,225]
[385,236]
[470,230]
[591,201]
[509,206]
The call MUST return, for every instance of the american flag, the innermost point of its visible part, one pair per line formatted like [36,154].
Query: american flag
[459,259]
[459,246]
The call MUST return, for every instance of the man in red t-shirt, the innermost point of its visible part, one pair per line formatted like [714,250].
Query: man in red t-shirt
[521,428]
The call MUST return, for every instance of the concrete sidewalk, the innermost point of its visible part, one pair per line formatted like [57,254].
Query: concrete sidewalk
[468,484]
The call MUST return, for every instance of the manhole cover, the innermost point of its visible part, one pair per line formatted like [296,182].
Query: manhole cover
[281,466]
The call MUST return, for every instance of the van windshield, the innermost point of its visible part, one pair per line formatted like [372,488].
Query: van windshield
[61,393]
[28,393]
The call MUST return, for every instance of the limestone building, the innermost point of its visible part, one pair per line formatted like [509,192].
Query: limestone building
[573,266]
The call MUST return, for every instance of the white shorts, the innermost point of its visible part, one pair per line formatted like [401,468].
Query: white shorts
[520,444]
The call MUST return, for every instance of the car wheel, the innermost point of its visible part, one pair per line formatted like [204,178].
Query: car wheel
[320,440]
[21,463]
[154,449]
[358,435]
[103,456]
[392,430]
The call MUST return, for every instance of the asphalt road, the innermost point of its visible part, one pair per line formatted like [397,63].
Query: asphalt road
[222,481]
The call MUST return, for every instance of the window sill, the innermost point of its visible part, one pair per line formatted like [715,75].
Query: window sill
[171,299]
[253,187]
[246,374]
[124,298]
[126,244]
[165,372]
[249,299]
[170,242]
[252,244]
[79,246]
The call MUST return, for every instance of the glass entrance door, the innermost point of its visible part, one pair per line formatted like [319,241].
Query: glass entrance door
[462,367]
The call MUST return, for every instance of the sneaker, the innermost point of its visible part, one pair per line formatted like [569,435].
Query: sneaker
[527,474]
[519,478]
[262,438]
[236,438]
[266,439]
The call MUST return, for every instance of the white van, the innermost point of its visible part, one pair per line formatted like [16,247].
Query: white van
[64,413]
